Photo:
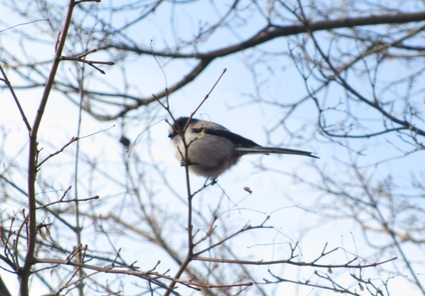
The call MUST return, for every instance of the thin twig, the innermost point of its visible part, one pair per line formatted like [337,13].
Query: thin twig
[15,98]
[73,139]
[289,261]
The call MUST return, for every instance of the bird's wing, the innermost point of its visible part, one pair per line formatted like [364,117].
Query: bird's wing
[245,145]
[238,140]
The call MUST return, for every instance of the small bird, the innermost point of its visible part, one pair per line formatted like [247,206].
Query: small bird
[212,148]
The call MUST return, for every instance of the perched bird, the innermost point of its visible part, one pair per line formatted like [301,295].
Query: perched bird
[212,148]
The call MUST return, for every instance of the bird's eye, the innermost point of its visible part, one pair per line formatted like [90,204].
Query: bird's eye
[172,135]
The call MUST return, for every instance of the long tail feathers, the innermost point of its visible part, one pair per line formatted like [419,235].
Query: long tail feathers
[268,150]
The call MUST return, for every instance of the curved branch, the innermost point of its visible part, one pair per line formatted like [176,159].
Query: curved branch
[271,32]
[264,35]
[201,66]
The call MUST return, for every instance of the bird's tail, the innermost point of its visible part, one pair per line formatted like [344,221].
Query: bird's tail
[268,150]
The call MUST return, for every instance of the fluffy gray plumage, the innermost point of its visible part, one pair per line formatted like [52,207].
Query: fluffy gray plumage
[213,148]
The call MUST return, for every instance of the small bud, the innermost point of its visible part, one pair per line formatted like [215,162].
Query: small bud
[247,189]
